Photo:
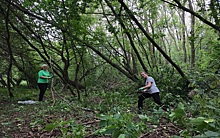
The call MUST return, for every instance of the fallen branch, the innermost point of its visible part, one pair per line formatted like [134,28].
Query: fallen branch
[89,110]
[91,122]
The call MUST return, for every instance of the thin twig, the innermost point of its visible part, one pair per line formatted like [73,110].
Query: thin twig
[91,122]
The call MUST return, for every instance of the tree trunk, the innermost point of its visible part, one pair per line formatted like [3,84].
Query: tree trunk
[184,37]
[151,47]
[9,76]
[192,36]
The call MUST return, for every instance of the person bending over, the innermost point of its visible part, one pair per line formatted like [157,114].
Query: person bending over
[149,90]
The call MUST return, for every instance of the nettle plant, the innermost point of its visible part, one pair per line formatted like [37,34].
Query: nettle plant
[68,128]
[204,124]
[119,126]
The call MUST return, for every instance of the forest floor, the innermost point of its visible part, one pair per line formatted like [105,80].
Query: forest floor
[29,120]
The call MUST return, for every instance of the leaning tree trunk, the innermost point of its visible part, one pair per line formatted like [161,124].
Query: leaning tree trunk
[9,76]
[179,5]
[152,41]
[128,35]
[215,12]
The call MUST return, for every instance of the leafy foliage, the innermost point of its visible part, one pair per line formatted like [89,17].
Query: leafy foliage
[119,126]
[113,114]
[68,128]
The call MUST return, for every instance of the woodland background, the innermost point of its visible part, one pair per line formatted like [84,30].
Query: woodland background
[96,50]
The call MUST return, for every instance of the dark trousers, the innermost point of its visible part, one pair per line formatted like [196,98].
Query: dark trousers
[43,88]
[155,96]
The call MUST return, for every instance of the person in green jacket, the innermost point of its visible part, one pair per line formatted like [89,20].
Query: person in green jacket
[43,80]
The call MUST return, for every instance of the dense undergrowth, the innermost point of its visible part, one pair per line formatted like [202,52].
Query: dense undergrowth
[110,114]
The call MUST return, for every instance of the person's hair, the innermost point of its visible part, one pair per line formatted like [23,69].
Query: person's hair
[145,73]
[44,65]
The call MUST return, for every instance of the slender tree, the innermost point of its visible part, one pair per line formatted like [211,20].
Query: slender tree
[192,36]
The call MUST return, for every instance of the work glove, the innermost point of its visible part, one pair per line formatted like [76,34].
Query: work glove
[50,77]
[142,88]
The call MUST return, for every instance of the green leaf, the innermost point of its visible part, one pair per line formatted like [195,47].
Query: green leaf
[104,117]
[102,130]
[209,134]
[209,120]
[144,117]
[116,134]
[109,131]
[178,113]
[212,134]
[121,136]
[50,127]
[201,123]
[130,126]
[197,121]
[117,116]
[103,123]
[64,130]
